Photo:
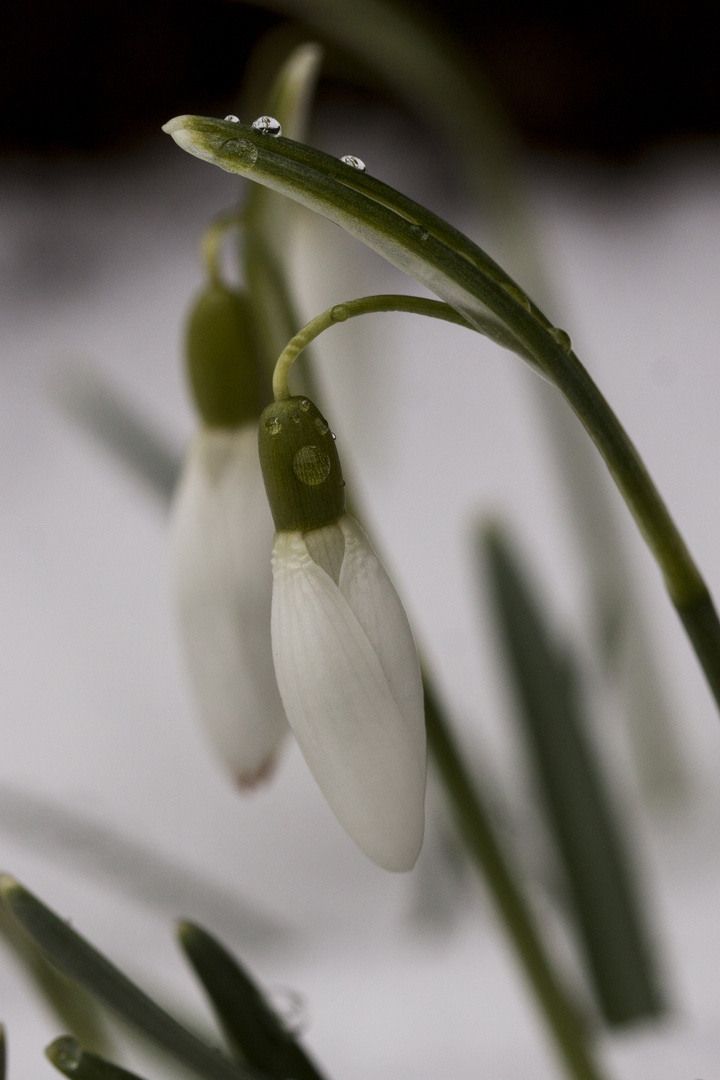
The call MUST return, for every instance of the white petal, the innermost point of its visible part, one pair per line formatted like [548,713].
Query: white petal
[365,584]
[221,535]
[341,708]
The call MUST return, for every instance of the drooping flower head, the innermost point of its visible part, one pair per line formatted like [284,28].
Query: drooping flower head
[344,655]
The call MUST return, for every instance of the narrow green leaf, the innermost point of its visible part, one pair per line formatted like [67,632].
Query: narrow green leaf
[80,961]
[473,821]
[3,1052]
[421,244]
[68,1057]
[74,1008]
[270,219]
[604,894]
[251,1027]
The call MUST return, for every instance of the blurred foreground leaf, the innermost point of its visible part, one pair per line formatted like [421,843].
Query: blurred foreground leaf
[609,918]
[251,1027]
[68,1056]
[82,962]
[73,1007]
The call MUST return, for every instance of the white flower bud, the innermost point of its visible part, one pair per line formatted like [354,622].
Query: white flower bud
[221,533]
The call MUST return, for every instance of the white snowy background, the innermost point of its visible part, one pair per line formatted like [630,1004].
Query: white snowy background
[403,977]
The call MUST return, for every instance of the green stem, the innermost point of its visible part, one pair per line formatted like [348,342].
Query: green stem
[212,241]
[366,305]
[684,583]
[473,822]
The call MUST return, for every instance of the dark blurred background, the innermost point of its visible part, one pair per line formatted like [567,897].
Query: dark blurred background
[608,80]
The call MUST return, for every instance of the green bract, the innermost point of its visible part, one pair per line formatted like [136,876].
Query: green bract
[300,466]
[222,364]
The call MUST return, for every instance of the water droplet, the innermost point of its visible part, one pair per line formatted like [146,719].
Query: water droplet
[273,425]
[334,435]
[354,162]
[311,465]
[244,150]
[67,1053]
[339,313]
[562,338]
[289,1006]
[304,405]
[322,427]
[422,234]
[232,119]
[268,125]
[517,294]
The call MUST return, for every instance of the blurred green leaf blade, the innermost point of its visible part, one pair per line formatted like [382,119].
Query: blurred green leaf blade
[73,1007]
[250,1025]
[116,423]
[609,918]
[79,960]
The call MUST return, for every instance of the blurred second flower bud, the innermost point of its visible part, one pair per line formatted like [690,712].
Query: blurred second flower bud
[221,532]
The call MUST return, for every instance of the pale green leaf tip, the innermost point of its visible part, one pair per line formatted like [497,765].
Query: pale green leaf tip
[206,137]
[180,130]
[184,930]
[176,124]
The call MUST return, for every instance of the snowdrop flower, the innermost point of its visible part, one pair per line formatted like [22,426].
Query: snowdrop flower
[221,530]
[344,655]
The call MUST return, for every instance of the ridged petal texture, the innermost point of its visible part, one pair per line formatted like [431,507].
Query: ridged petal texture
[349,678]
[221,534]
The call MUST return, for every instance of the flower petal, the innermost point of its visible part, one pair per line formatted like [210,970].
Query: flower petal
[221,533]
[365,584]
[340,706]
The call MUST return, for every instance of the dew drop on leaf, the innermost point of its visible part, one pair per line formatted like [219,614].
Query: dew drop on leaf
[562,338]
[268,125]
[354,162]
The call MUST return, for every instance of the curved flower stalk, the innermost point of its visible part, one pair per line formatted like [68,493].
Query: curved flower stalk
[221,531]
[344,654]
